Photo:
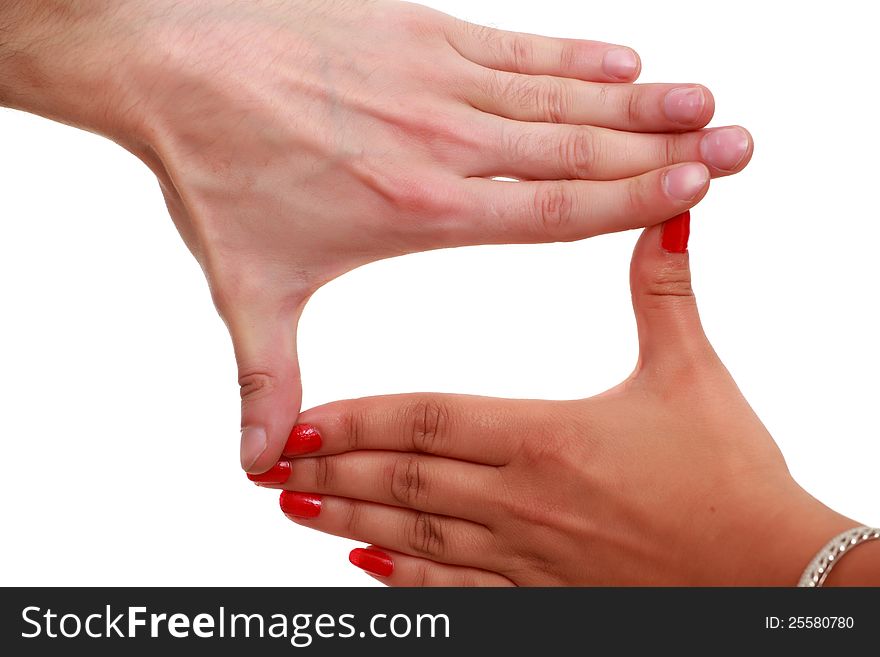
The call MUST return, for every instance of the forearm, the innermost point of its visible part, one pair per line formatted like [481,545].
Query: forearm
[64,59]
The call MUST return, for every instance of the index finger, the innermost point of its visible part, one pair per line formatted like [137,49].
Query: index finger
[532,54]
[477,429]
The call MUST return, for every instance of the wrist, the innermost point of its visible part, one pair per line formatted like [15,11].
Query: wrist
[797,527]
[66,61]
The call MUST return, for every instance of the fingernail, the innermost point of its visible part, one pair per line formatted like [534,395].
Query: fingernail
[300,505]
[303,439]
[686,181]
[684,105]
[676,232]
[277,474]
[725,148]
[253,444]
[620,63]
[373,561]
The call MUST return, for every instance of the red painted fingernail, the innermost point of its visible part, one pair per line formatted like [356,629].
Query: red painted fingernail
[303,439]
[373,561]
[300,505]
[277,474]
[676,232]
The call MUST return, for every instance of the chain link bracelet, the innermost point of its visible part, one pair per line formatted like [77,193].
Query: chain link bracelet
[816,573]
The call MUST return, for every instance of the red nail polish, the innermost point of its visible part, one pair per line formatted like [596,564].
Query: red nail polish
[277,474]
[373,561]
[303,439]
[300,505]
[676,232]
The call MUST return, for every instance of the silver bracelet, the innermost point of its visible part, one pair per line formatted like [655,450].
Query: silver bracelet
[816,573]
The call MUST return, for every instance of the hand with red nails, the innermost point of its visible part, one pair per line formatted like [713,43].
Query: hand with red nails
[295,141]
[668,478]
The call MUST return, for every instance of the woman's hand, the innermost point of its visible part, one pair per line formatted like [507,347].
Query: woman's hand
[668,478]
[296,140]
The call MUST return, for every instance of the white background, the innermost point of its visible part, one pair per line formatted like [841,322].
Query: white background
[119,400]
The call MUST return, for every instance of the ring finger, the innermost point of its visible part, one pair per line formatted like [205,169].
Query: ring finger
[438,538]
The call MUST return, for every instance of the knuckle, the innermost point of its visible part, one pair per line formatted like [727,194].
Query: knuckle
[325,472]
[428,421]
[551,97]
[638,193]
[568,56]
[353,520]
[429,198]
[411,18]
[425,536]
[519,512]
[673,281]
[558,450]
[353,422]
[513,51]
[254,384]
[434,127]
[484,34]
[579,153]
[422,576]
[541,451]
[535,561]
[406,193]
[408,481]
[553,209]
[633,107]
[545,97]
[520,51]
[413,195]
[668,148]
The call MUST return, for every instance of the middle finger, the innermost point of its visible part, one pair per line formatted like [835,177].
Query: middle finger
[543,151]
[416,481]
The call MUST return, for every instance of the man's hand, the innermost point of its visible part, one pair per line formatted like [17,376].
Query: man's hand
[296,140]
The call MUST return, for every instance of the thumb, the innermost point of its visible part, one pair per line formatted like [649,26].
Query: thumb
[269,378]
[670,331]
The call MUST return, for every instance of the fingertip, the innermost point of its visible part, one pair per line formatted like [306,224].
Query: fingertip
[300,506]
[675,233]
[750,151]
[254,443]
[621,64]
[304,438]
[709,109]
[686,183]
[661,253]
[276,475]
[266,422]
[688,107]
[372,560]
[728,149]
[638,71]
